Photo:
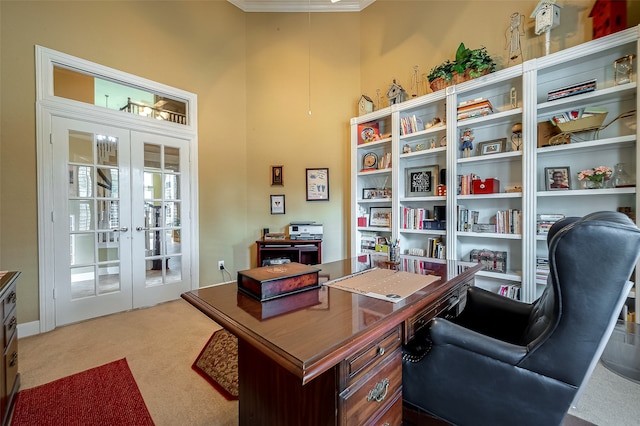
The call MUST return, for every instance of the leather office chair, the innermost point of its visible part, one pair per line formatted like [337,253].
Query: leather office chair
[503,362]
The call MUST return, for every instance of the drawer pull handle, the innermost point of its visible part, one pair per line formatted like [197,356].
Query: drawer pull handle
[379,392]
[380,350]
[13,322]
[12,297]
[14,359]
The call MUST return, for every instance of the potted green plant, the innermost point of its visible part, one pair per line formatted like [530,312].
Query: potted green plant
[469,63]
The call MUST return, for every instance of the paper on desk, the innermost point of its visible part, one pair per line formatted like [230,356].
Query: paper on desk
[385,284]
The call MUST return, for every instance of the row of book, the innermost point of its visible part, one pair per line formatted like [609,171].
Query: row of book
[436,248]
[509,221]
[416,266]
[511,291]
[465,183]
[466,219]
[474,108]
[413,218]
[410,124]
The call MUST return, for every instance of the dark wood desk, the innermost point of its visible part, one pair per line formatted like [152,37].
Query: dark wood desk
[327,356]
[307,252]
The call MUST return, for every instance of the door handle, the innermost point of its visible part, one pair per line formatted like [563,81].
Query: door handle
[123,229]
[140,228]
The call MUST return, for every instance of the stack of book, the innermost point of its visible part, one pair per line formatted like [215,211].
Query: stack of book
[544,222]
[474,108]
[572,90]
[542,270]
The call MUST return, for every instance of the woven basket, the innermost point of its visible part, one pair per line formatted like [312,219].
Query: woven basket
[440,83]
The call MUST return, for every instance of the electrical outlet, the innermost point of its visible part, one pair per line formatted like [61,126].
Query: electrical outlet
[221,264]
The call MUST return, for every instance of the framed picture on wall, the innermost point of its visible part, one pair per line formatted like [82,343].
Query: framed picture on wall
[318,184]
[276,175]
[277,204]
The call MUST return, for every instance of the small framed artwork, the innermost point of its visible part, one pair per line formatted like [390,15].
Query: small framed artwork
[376,193]
[276,175]
[277,204]
[380,216]
[557,178]
[492,147]
[318,184]
[421,181]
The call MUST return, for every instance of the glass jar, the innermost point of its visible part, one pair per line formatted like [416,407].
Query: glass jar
[621,178]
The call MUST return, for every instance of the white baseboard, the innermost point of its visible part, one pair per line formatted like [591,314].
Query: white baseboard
[28,329]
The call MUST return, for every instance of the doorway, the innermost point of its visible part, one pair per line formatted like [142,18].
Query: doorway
[119,213]
[117,195]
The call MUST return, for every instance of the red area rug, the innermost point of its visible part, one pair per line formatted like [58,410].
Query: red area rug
[107,395]
[218,363]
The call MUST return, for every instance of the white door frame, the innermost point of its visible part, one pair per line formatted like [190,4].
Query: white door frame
[47,105]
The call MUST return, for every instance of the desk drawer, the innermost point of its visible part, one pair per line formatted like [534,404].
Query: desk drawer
[376,392]
[449,305]
[361,362]
[392,416]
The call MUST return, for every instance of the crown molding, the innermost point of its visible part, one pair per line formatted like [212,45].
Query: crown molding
[301,5]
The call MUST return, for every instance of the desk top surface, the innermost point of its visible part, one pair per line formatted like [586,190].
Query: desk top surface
[311,331]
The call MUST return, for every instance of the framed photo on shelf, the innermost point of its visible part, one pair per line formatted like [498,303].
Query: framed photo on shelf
[492,147]
[380,216]
[421,181]
[318,184]
[277,204]
[557,178]
[376,193]
[276,175]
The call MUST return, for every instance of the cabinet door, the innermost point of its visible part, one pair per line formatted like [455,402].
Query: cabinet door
[488,160]
[596,126]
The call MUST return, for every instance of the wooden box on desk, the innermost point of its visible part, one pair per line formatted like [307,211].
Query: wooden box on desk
[278,306]
[267,282]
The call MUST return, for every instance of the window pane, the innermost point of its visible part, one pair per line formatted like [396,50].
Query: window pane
[81,87]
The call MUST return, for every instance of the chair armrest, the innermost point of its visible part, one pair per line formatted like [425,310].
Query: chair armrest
[482,301]
[494,315]
[444,332]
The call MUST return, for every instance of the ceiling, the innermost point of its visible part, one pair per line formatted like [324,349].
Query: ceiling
[301,5]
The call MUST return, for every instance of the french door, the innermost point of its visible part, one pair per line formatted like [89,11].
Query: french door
[121,219]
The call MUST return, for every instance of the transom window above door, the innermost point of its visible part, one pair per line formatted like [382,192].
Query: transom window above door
[83,87]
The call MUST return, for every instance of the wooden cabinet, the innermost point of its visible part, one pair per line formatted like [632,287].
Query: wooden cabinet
[9,377]
[307,252]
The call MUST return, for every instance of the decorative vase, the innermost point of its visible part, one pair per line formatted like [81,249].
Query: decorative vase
[621,178]
[594,184]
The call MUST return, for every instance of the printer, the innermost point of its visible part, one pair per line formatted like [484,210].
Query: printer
[305,231]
